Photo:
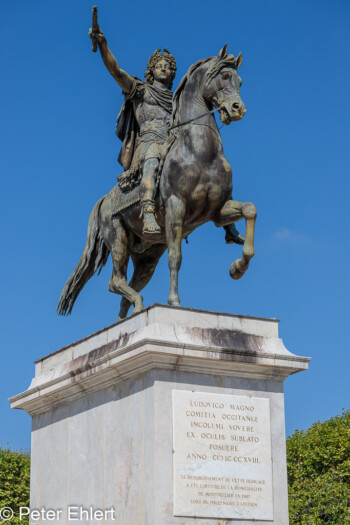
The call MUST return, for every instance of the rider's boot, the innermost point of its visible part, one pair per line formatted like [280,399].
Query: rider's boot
[232,235]
[150,224]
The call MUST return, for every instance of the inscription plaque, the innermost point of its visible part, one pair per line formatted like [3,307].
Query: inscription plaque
[222,456]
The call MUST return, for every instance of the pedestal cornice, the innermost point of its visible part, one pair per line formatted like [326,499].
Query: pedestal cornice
[161,337]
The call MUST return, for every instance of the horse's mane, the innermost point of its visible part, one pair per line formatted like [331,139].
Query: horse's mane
[182,84]
[225,60]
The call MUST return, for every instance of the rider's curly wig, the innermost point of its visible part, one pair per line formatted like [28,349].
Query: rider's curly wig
[155,57]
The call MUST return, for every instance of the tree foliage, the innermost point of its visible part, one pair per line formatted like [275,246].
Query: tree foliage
[14,482]
[319,473]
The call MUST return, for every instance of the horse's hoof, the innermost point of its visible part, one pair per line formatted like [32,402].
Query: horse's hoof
[137,309]
[235,272]
[174,301]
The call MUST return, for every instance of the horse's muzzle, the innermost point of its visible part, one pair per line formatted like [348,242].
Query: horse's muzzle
[232,111]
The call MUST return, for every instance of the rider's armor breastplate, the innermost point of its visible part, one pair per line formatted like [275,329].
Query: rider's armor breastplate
[151,118]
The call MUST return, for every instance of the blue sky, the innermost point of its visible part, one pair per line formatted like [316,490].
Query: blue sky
[290,156]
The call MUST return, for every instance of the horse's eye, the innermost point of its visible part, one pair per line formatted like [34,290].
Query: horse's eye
[225,75]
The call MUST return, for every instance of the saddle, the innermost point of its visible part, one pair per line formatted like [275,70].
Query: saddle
[123,200]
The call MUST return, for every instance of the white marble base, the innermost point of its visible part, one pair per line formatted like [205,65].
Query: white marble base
[109,430]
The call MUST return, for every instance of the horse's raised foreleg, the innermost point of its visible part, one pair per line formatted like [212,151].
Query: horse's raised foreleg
[233,211]
[174,219]
[144,265]
[120,256]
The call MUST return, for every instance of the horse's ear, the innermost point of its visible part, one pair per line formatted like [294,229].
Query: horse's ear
[239,60]
[222,52]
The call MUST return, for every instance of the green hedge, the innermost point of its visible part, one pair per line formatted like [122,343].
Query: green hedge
[14,482]
[319,473]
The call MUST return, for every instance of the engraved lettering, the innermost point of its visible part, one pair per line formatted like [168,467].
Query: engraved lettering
[193,413]
[213,435]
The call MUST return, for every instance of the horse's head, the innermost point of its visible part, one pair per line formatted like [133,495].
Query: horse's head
[222,86]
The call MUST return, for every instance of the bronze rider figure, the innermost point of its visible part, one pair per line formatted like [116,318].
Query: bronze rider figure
[143,125]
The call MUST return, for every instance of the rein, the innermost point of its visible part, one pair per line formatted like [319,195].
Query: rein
[199,116]
[193,119]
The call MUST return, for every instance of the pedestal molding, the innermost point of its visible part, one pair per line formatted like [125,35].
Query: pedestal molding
[160,345]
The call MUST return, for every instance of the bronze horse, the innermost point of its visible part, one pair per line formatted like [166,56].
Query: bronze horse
[195,187]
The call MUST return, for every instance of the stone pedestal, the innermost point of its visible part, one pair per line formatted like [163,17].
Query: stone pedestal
[173,416]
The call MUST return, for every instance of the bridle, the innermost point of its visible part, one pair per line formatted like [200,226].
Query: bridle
[199,116]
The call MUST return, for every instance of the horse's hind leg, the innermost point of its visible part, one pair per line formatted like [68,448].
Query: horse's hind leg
[174,219]
[120,256]
[233,211]
[144,265]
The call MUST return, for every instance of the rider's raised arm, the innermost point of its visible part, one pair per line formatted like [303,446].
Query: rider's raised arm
[124,80]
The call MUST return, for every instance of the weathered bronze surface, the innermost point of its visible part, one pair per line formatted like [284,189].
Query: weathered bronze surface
[176,176]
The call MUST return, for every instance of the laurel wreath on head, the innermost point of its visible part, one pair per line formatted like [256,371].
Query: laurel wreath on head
[157,55]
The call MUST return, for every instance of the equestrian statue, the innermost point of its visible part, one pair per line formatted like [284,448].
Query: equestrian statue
[176,176]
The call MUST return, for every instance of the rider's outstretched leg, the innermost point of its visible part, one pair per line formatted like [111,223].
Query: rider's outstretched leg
[148,194]
[174,219]
[232,235]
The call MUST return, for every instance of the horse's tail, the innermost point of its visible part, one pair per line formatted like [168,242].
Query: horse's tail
[93,259]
